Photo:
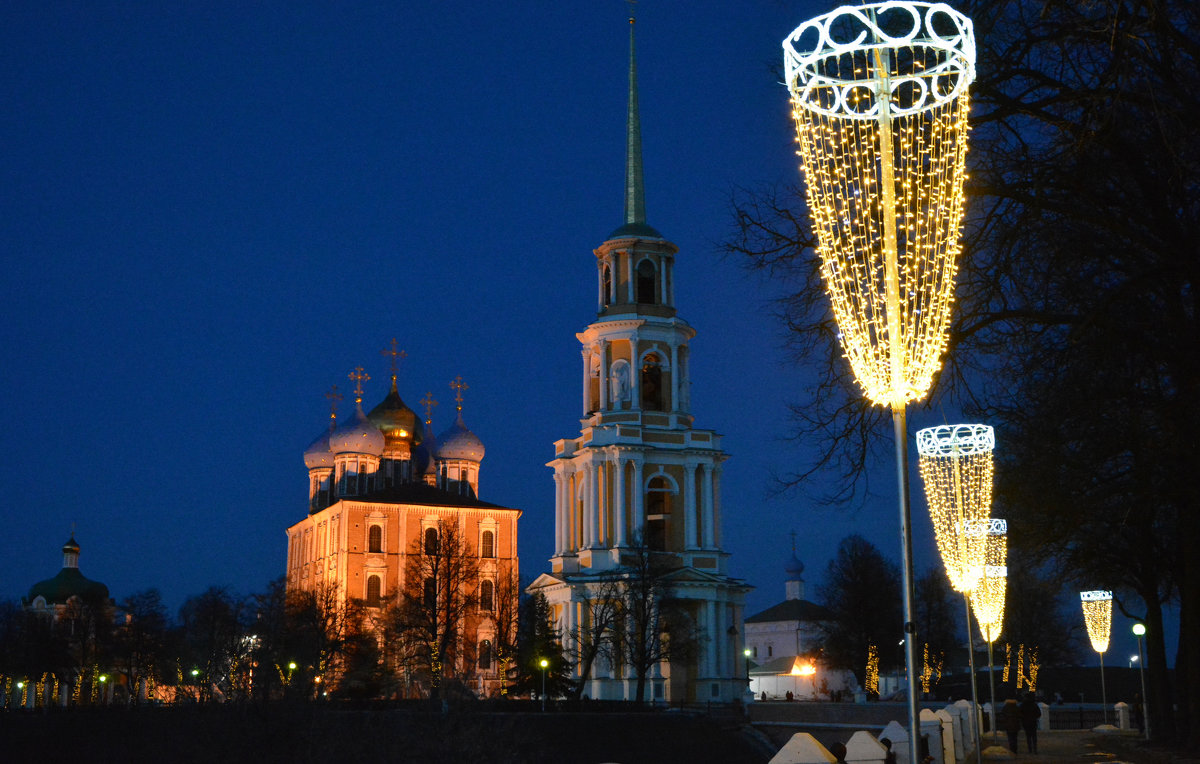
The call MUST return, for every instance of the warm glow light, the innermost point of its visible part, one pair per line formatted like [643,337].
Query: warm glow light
[884,178]
[1139,629]
[956,467]
[1097,614]
[871,678]
[987,600]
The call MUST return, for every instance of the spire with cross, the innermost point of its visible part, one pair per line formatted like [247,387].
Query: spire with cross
[334,396]
[458,386]
[397,355]
[427,403]
[359,376]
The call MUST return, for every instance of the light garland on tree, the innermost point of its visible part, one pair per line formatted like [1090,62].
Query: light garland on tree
[1007,661]
[987,601]
[884,178]
[956,468]
[871,677]
[1097,615]
[1034,666]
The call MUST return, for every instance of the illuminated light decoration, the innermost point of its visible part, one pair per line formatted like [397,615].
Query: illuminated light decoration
[879,99]
[1097,615]
[871,677]
[956,468]
[987,600]
[884,177]
[1033,669]
[1007,661]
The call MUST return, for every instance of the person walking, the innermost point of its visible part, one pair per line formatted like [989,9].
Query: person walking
[1009,720]
[1030,713]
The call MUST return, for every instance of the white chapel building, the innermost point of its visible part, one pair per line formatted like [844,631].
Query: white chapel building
[639,472]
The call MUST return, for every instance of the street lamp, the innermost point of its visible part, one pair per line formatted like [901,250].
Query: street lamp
[543,663]
[1139,630]
[881,118]
[1132,660]
[195,683]
[746,653]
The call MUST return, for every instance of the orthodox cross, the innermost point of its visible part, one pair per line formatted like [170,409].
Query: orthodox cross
[396,355]
[359,376]
[458,386]
[334,396]
[428,403]
[793,534]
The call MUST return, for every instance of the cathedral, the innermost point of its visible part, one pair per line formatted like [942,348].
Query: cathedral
[640,480]
[381,490]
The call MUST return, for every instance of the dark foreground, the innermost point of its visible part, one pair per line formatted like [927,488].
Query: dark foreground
[324,733]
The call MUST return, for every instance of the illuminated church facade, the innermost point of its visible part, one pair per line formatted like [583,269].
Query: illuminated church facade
[640,476]
[381,488]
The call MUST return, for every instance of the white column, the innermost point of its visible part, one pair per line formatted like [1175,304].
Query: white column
[674,378]
[662,280]
[706,516]
[716,511]
[618,502]
[639,499]
[635,373]
[586,358]
[598,529]
[589,505]
[671,280]
[689,506]
[558,513]
[602,346]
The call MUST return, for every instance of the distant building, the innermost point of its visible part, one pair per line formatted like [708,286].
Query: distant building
[53,596]
[785,642]
[380,488]
[639,473]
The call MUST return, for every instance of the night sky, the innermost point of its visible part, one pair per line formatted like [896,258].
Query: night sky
[212,212]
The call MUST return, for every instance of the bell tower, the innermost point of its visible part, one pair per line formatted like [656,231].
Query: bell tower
[639,475]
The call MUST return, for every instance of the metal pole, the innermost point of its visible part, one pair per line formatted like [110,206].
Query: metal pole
[1145,698]
[900,428]
[976,724]
[1103,692]
[992,685]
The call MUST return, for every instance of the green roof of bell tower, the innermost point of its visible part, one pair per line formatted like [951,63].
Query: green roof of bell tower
[635,189]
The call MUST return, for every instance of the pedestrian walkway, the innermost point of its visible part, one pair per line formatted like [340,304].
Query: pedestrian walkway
[1078,746]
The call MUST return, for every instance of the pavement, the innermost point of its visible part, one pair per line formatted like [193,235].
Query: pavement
[1079,747]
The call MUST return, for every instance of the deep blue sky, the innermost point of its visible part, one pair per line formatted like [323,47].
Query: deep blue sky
[211,212]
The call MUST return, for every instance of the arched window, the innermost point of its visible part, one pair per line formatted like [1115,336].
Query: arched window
[485,655]
[652,386]
[647,282]
[605,285]
[487,596]
[487,545]
[658,511]
[375,539]
[431,541]
[373,591]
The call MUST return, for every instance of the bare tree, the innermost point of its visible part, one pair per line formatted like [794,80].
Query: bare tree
[438,598]
[140,638]
[596,637]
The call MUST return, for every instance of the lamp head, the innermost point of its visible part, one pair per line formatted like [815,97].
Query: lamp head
[1139,629]
[544,663]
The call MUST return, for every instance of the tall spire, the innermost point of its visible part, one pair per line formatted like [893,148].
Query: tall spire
[635,188]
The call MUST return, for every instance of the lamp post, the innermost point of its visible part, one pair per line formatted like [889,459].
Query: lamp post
[196,682]
[1097,615]
[1139,630]
[544,663]
[882,125]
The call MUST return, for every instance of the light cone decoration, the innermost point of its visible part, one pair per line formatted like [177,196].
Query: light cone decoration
[956,467]
[987,601]
[1097,615]
[879,98]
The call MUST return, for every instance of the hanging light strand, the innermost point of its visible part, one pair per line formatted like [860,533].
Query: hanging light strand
[1097,615]
[957,469]
[987,601]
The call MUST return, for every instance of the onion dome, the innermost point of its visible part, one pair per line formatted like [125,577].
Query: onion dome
[69,582]
[318,454]
[394,419]
[459,443]
[358,436]
[794,569]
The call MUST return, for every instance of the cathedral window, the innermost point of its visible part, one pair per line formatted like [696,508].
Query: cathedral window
[431,541]
[375,539]
[487,544]
[373,592]
[485,655]
[430,593]
[652,384]
[647,282]
[605,285]
[487,596]
[658,509]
